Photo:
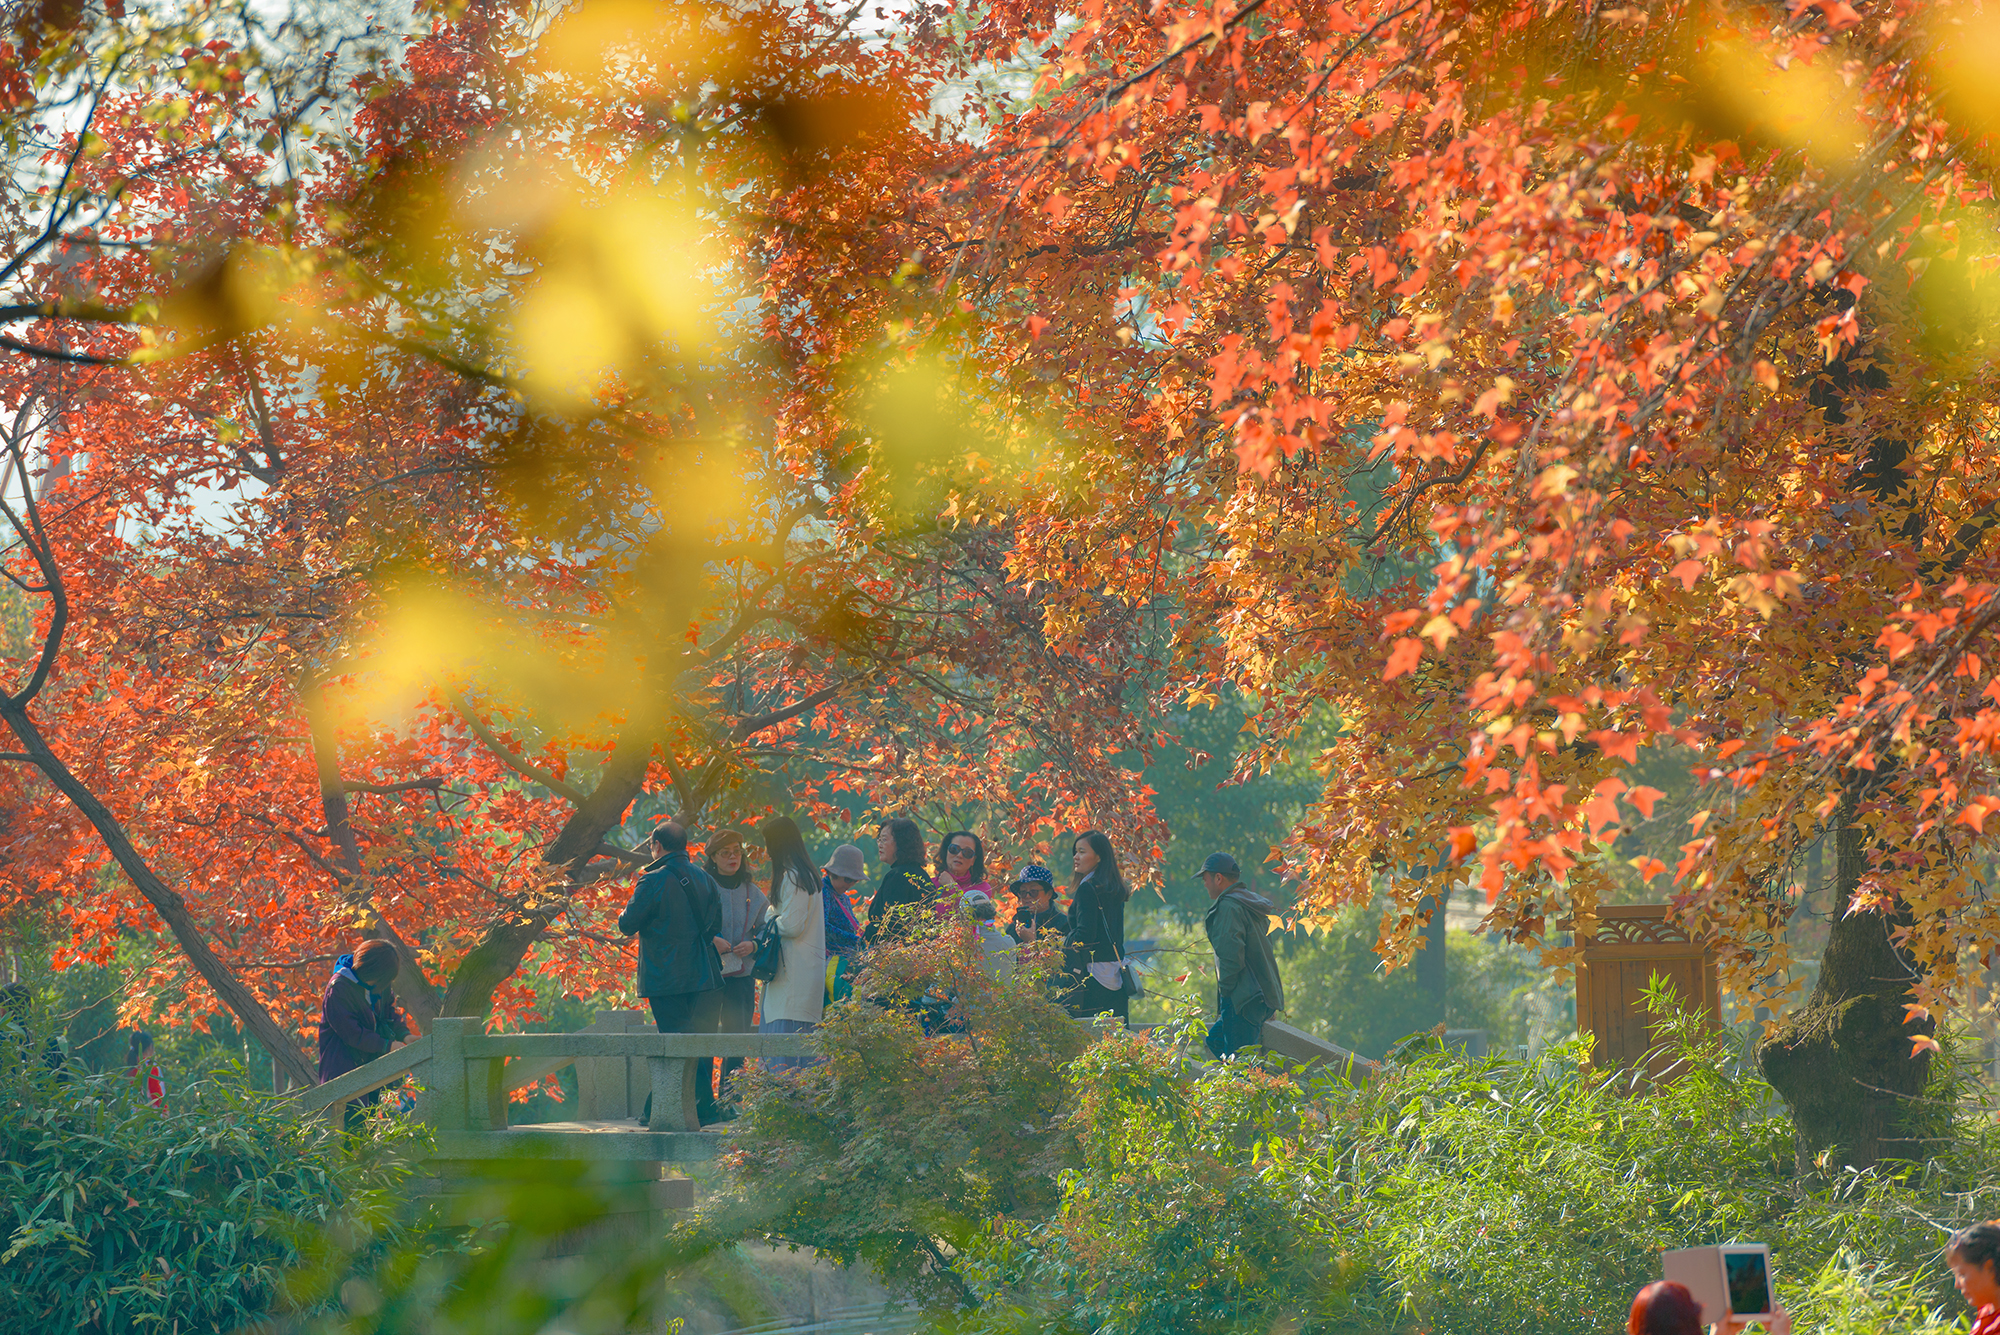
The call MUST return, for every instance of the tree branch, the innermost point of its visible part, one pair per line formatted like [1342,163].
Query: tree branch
[228,988]
[625,855]
[750,727]
[431,784]
[519,764]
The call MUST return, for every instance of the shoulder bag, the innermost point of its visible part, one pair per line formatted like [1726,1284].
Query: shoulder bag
[770,953]
[1115,975]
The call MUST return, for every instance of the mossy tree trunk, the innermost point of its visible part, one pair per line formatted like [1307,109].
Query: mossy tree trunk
[1845,1064]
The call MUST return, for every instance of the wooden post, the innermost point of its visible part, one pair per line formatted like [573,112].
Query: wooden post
[1631,944]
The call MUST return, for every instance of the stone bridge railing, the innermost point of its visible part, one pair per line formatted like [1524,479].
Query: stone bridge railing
[467,1075]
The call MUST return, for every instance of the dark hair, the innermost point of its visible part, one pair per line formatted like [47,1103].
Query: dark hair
[909,840]
[1107,874]
[978,854]
[141,1040]
[787,848]
[671,837]
[1664,1308]
[1978,1245]
[377,959]
[725,838]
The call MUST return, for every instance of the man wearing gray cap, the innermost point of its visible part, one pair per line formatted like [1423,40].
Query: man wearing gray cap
[1247,988]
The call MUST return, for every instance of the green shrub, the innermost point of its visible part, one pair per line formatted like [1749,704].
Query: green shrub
[1456,1198]
[122,1217]
[897,1147]
[1182,1216]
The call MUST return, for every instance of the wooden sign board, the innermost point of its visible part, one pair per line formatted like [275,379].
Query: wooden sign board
[1633,943]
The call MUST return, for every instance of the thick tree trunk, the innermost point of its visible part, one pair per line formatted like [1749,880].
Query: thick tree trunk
[228,988]
[414,989]
[1845,1064]
[508,939]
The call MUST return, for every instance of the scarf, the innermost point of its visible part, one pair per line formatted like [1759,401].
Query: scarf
[843,928]
[344,968]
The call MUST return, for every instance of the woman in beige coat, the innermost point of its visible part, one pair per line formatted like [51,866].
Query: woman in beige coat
[794,998]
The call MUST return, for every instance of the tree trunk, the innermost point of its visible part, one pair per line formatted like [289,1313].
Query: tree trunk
[414,988]
[228,988]
[1431,963]
[1845,1064]
[508,939]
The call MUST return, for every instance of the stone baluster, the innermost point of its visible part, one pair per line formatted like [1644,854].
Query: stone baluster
[673,1094]
[447,1106]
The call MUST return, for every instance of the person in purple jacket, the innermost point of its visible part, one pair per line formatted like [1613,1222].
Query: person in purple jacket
[358,1019]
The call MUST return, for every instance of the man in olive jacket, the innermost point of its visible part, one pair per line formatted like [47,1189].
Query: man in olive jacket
[1247,988]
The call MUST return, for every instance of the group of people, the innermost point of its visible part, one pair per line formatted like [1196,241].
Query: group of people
[709,932]
[700,926]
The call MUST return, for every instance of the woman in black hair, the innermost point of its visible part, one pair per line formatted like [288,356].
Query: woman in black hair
[906,884]
[794,999]
[1974,1258]
[1097,928]
[727,862]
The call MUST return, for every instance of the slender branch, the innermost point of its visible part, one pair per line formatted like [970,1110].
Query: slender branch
[431,784]
[519,764]
[750,727]
[60,213]
[58,354]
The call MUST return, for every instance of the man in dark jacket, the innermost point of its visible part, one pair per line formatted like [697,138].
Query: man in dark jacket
[676,912]
[1247,988]
[358,1019]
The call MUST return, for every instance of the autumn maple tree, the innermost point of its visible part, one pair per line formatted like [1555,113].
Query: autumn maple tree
[398,497]
[1534,384]
[667,399]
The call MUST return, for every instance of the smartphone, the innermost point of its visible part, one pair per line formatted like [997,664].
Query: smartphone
[1746,1269]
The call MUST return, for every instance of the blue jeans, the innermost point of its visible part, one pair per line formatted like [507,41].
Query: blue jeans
[787,1027]
[1231,1031]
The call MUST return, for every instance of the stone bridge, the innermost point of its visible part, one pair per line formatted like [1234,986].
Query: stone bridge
[466,1076]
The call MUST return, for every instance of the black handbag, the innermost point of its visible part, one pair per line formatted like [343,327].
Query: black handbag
[1119,975]
[770,951]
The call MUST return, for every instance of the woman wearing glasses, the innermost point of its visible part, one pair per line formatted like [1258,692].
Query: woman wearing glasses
[961,867]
